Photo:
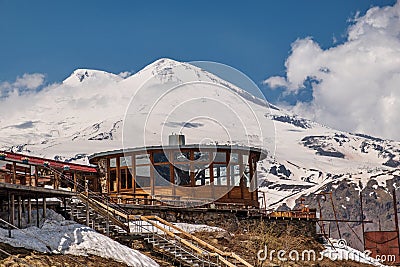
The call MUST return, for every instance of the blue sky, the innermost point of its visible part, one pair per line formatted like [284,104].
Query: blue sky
[56,37]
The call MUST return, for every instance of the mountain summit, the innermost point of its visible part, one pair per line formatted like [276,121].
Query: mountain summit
[85,114]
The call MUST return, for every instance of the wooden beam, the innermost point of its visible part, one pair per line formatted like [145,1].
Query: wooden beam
[37,213]
[12,221]
[14,170]
[36,176]
[75,180]
[118,174]
[9,214]
[198,240]
[19,212]
[44,208]
[29,210]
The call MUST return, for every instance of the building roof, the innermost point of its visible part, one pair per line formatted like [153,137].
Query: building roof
[53,163]
[181,147]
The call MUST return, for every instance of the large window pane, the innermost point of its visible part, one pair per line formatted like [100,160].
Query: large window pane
[160,157]
[235,174]
[123,178]
[220,174]
[181,156]
[202,156]
[234,158]
[182,174]
[113,163]
[202,174]
[113,180]
[162,175]
[125,161]
[142,159]
[129,174]
[246,174]
[219,156]
[142,176]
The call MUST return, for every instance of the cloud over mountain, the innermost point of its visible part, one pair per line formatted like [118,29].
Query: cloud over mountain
[355,84]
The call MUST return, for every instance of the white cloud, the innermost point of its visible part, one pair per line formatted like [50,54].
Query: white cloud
[26,82]
[29,81]
[356,84]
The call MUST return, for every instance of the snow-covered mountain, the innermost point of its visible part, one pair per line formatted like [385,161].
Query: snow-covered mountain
[91,110]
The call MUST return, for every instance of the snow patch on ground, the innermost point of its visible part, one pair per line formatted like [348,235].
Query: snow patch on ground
[146,227]
[58,235]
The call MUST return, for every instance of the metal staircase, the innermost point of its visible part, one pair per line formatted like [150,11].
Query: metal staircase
[86,211]
[182,248]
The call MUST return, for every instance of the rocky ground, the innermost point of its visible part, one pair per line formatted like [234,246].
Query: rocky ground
[377,206]
[26,258]
[245,242]
[248,243]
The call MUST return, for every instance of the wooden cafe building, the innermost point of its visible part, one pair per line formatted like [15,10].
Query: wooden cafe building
[180,174]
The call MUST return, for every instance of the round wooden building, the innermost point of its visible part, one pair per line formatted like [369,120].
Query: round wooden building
[184,175]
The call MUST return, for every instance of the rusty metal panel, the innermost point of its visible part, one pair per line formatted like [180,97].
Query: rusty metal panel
[383,243]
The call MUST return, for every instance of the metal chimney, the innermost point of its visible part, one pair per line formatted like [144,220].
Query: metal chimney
[176,140]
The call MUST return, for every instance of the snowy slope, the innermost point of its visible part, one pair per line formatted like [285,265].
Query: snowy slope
[93,111]
[58,235]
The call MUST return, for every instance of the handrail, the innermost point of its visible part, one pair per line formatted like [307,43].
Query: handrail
[103,212]
[199,241]
[89,192]
[111,210]
[171,234]
[218,255]
[154,233]
[123,214]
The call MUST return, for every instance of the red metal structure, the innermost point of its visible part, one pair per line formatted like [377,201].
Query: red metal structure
[385,245]
[53,163]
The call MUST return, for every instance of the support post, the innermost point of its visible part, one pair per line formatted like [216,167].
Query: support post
[321,218]
[14,181]
[36,176]
[23,206]
[362,219]
[29,210]
[44,207]
[19,212]
[396,218]
[87,211]
[12,209]
[37,212]
[9,214]
[75,180]
[334,213]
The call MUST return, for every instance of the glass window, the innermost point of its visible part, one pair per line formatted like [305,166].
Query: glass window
[113,180]
[160,157]
[129,177]
[182,174]
[235,175]
[201,174]
[125,161]
[181,156]
[234,158]
[245,160]
[142,176]
[123,178]
[142,159]
[220,174]
[113,163]
[219,156]
[246,171]
[162,175]
[202,156]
